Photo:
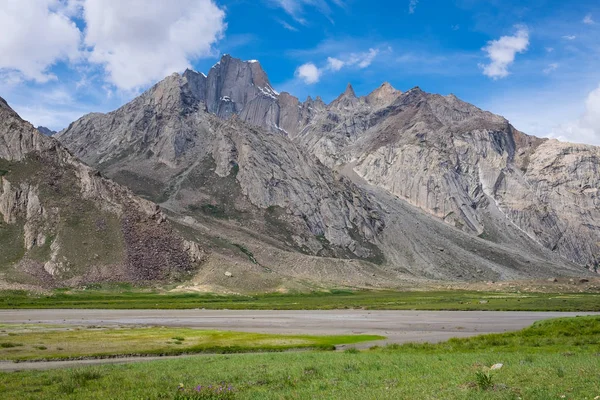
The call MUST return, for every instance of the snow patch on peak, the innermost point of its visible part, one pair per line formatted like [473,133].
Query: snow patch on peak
[268,91]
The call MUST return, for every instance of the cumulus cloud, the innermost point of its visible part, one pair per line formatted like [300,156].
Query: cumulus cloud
[588,20]
[360,60]
[502,53]
[591,118]
[587,128]
[140,41]
[334,64]
[36,34]
[569,37]
[309,73]
[412,6]
[363,60]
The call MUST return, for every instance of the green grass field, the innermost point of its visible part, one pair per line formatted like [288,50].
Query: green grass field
[31,342]
[553,359]
[123,297]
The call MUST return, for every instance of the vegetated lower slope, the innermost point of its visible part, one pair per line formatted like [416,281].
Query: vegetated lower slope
[327,193]
[61,223]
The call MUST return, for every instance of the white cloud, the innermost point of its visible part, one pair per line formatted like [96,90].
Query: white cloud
[287,26]
[569,37]
[309,73]
[587,128]
[549,49]
[502,53]
[591,117]
[334,64]
[363,60]
[35,35]
[588,20]
[550,68]
[55,118]
[296,8]
[140,41]
[412,5]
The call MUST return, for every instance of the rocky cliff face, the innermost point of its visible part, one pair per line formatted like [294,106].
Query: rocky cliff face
[169,148]
[62,223]
[351,179]
[460,163]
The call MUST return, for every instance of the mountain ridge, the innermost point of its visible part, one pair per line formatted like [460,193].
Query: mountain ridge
[436,153]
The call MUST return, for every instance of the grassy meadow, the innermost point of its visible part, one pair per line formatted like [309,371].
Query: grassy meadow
[553,359]
[30,342]
[126,297]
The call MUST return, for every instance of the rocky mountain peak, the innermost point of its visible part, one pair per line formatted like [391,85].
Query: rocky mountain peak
[346,100]
[349,92]
[232,84]
[257,77]
[18,137]
[384,94]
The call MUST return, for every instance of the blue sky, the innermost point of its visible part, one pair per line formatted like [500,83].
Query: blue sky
[534,62]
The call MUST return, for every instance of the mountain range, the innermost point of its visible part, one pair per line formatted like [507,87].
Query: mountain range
[257,190]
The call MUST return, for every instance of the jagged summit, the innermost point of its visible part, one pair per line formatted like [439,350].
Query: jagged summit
[416,89]
[346,100]
[384,94]
[349,92]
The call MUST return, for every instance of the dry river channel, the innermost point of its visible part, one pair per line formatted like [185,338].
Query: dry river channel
[396,326]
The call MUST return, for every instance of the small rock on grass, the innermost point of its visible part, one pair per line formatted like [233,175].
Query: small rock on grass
[496,366]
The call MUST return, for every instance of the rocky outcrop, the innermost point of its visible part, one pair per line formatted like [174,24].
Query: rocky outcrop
[69,224]
[17,139]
